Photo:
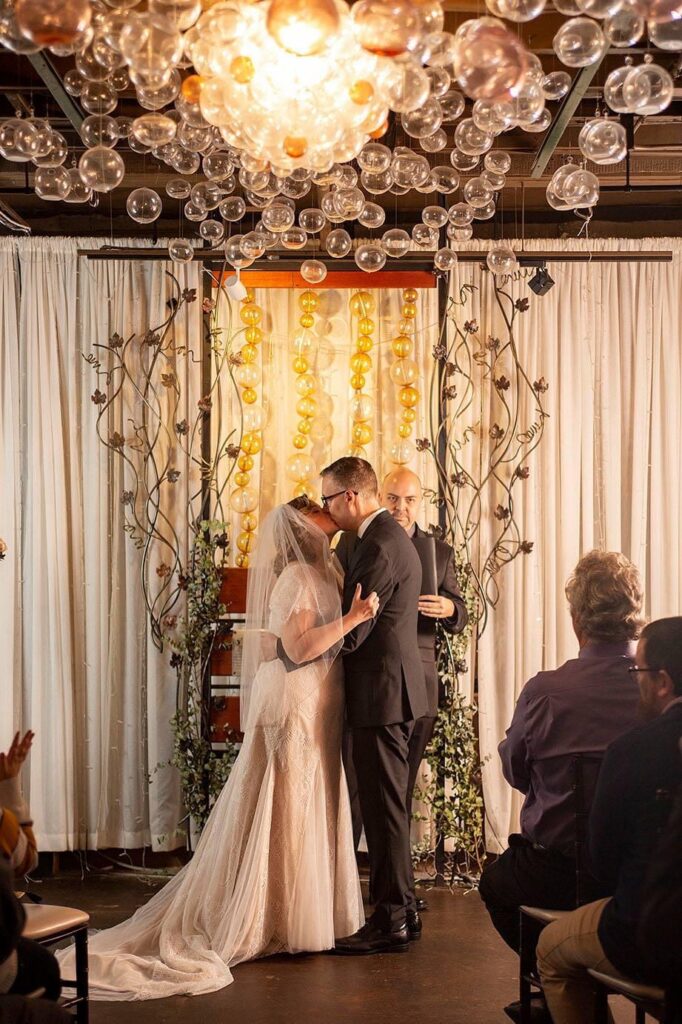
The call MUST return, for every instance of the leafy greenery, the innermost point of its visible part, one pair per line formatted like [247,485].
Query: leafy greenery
[203,772]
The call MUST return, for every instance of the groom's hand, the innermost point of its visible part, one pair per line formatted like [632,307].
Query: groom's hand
[436,607]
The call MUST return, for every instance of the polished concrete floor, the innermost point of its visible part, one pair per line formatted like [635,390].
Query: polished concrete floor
[459,973]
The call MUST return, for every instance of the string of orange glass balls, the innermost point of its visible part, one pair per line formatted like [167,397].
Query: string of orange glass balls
[362,306]
[404,372]
[300,465]
[244,499]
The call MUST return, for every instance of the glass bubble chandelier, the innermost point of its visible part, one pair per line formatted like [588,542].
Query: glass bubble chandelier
[257,102]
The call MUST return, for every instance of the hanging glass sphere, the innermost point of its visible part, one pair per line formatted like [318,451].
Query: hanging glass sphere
[144,205]
[501,260]
[232,209]
[313,271]
[579,43]
[303,26]
[461,215]
[52,22]
[395,242]
[445,260]
[555,85]
[52,183]
[338,243]
[603,141]
[372,216]
[180,250]
[370,257]
[648,89]
[311,220]
[213,231]
[489,61]
[99,130]
[624,28]
[101,169]
[516,10]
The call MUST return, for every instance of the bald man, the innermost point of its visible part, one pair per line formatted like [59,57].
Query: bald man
[401,495]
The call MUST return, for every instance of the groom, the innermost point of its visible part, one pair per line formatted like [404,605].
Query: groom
[385,695]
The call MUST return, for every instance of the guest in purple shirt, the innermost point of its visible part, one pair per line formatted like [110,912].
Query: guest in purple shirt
[579,708]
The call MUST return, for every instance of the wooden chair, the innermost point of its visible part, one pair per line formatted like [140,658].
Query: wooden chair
[49,925]
[648,999]
[585,773]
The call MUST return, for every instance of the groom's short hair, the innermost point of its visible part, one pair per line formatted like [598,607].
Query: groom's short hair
[353,474]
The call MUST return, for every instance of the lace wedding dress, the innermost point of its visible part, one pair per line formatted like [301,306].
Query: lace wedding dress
[274,870]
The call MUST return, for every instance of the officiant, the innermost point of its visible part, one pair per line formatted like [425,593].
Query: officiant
[440,601]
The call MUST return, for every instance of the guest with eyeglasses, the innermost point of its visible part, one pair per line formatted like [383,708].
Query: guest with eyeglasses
[576,709]
[639,779]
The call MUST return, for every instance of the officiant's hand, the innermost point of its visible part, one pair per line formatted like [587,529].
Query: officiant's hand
[436,607]
[363,608]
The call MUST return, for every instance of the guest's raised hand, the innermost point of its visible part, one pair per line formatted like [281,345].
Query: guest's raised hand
[434,606]
[363,608]
[11,762]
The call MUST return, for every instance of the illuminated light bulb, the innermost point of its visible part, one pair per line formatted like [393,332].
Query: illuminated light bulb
[52,22]
[295,146]
[361,92]
[242,70]
[191,88]
[303,26]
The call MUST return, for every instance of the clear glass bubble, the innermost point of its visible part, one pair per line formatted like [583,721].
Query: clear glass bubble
[78,193]
[234,255]
[540,124]
[98,98]
[370,257]
[579,43]
[555,85]
[57,153]
[99,131]
[613,88]
[217,166]
[424,236]
[435,216]
[375,184]
[178,188]
[440,80]
[501,260]
[153,129]
[444,179]
[485,212]
[471,140]
[498,161]
[624,29]
[423,121]
[375,158]
[434,143]
[666,35]
[313,271]
[52,183]
[278,217]
[603,141]
[73,82]
[581,189]
[252,245]
[144,205]
[516,10]
[600,8]
[194,211]
[490,61]
[338,243]
[396,242]
[180,251]
[452,106]
[495,180]
[213,231]
[461,215]
[478,192]
[101,168]
[372,216]
[648,89]
[445,260]
[312,220]
[407,86]
[456,234]
[409,169]
[403,452]
[462,161]
[349,202]
[294,238]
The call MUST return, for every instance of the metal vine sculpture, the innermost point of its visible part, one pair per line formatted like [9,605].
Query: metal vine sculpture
[469,372]
[147,419]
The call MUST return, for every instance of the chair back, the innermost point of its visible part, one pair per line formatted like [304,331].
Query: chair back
[585,772]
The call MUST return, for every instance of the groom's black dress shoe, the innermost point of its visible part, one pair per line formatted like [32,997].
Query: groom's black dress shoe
[421,905]
[539,1014]
[414,925]
[370,939]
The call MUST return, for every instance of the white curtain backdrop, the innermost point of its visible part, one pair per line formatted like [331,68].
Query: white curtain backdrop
[608,473]
[80,669]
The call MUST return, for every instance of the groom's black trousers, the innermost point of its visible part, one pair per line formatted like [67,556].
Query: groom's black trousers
[381,759]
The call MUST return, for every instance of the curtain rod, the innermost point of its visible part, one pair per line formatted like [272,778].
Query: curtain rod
[410,262]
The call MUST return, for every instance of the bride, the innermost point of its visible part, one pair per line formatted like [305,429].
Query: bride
[274,870]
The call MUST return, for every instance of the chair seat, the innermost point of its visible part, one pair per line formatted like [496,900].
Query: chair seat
[628,987]
[45,921]
[544,915]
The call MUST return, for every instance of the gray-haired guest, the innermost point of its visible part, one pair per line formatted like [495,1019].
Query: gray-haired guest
[579,708]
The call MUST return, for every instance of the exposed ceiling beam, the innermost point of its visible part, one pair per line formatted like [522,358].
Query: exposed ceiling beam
[562,118]
[51,78]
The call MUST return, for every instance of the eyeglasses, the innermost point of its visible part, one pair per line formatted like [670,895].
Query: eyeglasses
[635,668]
[326,498]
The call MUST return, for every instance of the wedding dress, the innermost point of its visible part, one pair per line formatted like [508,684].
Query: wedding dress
[274,870]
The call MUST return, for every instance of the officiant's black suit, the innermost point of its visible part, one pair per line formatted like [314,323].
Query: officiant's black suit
[385,694]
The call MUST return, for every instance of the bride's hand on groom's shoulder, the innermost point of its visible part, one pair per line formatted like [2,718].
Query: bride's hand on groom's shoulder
[363,608]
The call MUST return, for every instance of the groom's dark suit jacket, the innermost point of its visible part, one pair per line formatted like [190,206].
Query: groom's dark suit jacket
[383,668]
[446,585]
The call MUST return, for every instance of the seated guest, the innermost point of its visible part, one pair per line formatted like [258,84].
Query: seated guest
[659,925]
[579,708]
[640,776]
[17,842]
[26,968]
